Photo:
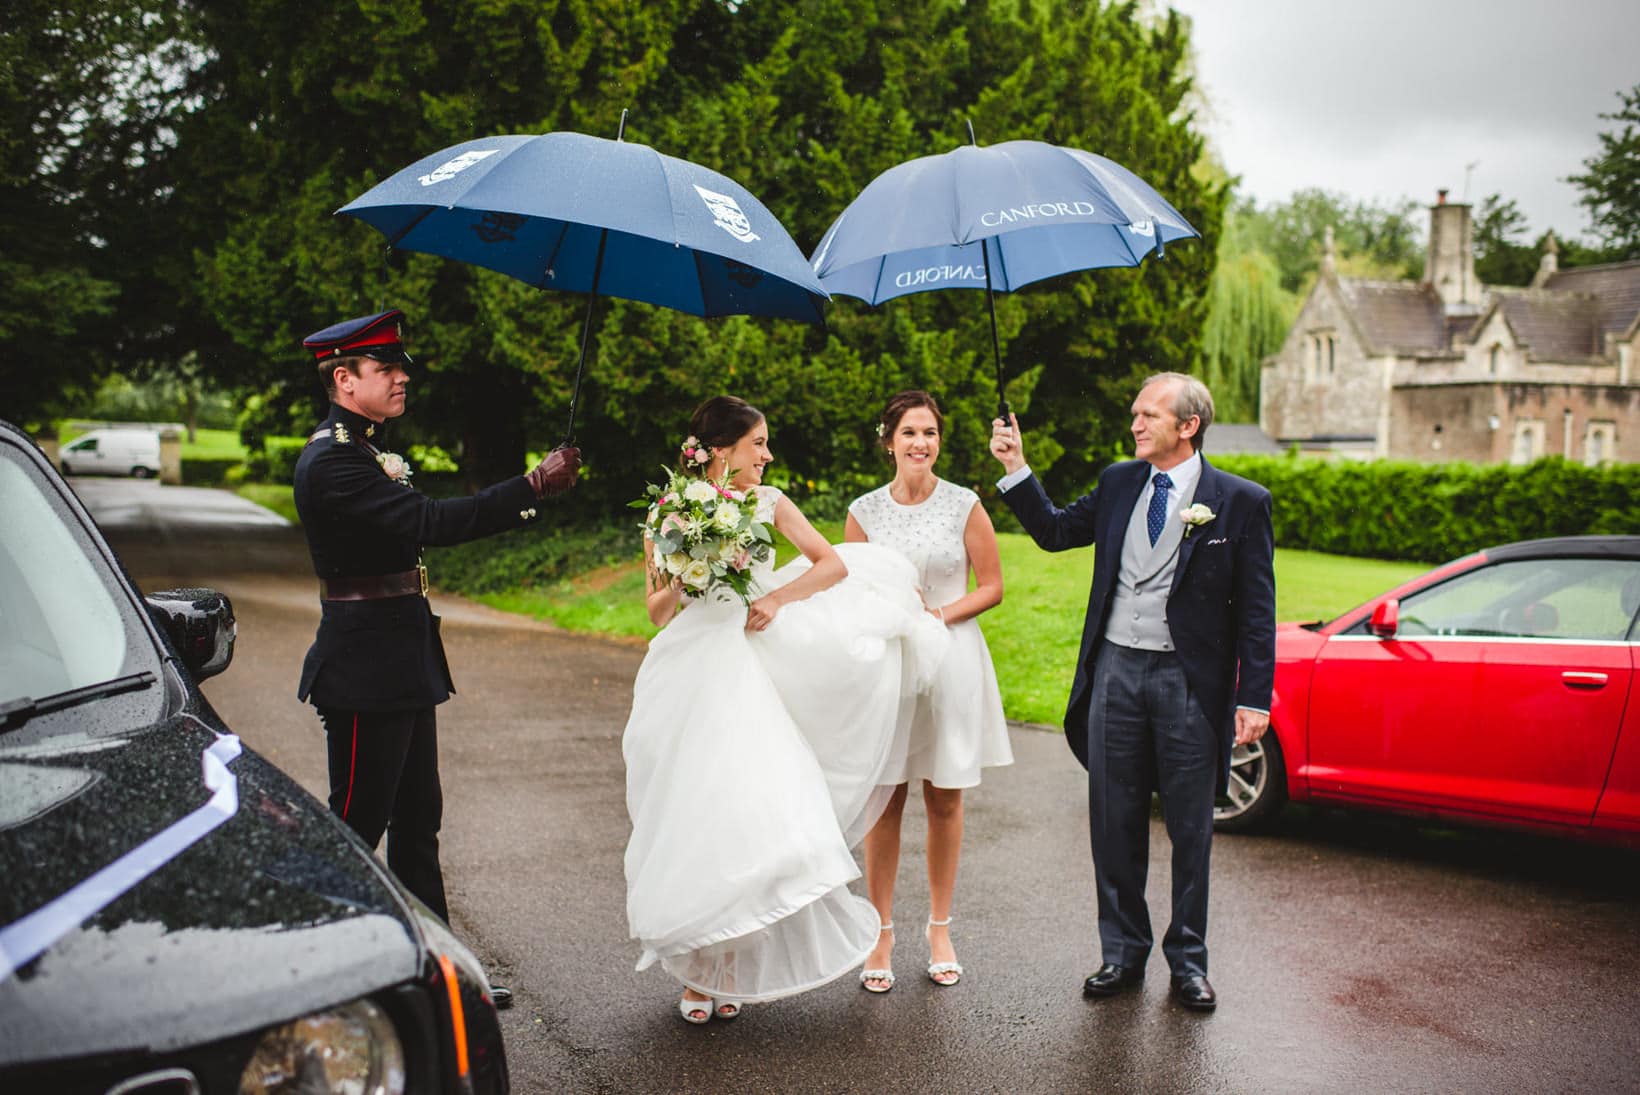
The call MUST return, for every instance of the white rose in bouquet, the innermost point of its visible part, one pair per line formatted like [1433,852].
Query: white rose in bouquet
[700,491]
[675,562]
[727,516]
[697,573]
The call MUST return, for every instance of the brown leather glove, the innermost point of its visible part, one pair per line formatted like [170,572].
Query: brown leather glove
[556,473]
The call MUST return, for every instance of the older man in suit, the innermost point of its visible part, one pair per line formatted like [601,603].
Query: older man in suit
[1175,668]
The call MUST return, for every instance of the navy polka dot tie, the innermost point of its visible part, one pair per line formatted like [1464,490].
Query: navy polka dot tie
[1156,519]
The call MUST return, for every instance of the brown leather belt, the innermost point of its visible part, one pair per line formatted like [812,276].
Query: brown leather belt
[372,587]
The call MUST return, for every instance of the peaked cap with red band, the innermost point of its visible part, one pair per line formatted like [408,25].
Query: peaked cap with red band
[379,336]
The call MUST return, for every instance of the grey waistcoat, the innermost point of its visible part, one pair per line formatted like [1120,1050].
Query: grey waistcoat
[1138,610]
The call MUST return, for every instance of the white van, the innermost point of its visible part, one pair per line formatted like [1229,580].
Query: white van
[112,452]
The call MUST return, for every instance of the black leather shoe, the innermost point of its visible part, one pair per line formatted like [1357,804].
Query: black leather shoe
[501,996]
[1112,979]
[1195,993]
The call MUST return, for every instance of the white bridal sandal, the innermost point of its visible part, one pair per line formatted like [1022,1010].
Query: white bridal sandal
[936,970]
[886,976]
[725,1009]
[689,1009]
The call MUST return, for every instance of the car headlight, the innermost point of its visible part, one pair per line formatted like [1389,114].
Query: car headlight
[349,1050]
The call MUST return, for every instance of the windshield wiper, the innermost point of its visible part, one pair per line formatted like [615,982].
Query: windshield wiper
[16,713]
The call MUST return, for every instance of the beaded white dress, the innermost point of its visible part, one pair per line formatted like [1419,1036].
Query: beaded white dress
[959,727]
[756,760]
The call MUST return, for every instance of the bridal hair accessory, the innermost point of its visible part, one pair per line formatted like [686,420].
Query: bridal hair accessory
[881,429]
[696,453]
[706,533]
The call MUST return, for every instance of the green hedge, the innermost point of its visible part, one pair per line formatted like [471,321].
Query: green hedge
[208,471]
[1434,512]
[275,461]
[533,557]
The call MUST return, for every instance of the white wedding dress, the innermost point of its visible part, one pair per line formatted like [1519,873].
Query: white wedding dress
[756,760]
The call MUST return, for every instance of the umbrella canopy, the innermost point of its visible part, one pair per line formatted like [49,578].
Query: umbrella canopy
[539,207]
[591,215]
[994,218]
[1045,209]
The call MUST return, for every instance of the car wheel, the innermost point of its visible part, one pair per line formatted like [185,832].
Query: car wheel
[1258,786]
[67,468]
[141,473]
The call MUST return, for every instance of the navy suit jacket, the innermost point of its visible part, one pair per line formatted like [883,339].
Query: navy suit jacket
[1221,610]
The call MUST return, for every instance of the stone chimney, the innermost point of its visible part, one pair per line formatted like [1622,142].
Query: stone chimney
[1450,263]
[1549,261]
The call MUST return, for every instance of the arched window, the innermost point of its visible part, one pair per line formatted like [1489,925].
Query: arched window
[1599,443]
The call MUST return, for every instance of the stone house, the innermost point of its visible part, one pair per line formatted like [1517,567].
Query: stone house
[1448,369]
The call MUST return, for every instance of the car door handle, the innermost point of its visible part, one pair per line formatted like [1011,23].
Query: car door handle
[1575,679]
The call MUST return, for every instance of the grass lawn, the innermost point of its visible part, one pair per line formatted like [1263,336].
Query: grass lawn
[275,496]
[213,445]
[1033,634]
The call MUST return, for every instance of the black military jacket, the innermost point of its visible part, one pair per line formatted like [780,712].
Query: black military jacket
[383,654]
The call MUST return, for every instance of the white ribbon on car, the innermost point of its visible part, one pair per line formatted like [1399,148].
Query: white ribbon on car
[24,940]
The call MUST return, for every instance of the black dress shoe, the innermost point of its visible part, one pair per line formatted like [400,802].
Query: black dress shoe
[1112,979]
[1195,993]
[501,997]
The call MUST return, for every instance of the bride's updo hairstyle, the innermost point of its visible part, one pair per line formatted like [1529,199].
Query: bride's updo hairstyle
[897,406]
[723,420]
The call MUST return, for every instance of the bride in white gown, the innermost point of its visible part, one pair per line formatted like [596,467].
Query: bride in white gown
[757,748]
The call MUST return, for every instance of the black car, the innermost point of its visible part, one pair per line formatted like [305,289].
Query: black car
[176,914]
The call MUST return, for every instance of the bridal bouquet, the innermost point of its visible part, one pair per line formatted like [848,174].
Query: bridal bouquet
[704,532]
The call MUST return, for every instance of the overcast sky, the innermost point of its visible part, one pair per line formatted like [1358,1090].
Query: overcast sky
[1388,99]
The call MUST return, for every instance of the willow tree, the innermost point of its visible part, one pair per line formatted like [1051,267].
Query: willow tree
[1248,316]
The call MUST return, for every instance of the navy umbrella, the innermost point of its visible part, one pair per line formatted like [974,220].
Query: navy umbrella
[587,214]
[993,218]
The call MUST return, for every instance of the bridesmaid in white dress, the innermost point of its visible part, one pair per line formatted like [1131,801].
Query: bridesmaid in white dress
[959,727]
[757,747]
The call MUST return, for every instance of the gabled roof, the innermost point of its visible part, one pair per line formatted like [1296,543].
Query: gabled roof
[1224,438]
[1616,285]
[1555,326]
[1404,316]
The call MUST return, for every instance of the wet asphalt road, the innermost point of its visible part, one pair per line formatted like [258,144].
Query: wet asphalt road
[1351,952]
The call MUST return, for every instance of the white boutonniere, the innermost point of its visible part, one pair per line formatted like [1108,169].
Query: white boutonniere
[1195,516]
[395,466]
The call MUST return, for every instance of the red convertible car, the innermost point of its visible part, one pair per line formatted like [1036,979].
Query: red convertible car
[1497,689]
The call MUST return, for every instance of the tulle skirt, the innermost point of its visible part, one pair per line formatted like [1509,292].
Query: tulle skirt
[755,761]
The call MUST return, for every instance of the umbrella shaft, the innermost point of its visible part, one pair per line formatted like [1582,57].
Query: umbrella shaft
[996,343]
[586,331]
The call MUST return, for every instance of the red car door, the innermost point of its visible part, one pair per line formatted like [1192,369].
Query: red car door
[1499,695]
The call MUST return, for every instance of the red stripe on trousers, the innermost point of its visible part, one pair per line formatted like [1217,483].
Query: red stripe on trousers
[352,764]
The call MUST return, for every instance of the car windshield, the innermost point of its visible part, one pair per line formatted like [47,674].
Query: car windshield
[66,622]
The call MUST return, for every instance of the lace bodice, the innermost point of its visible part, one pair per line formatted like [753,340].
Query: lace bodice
[929,533]
[767,498]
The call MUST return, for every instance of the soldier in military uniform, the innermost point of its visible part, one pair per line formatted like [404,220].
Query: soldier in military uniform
[376,670]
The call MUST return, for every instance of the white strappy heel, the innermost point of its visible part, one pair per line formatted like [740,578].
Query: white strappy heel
[936,970]
[886,976]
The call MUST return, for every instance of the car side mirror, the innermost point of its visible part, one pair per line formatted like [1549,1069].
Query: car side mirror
[1386,618]
[201,626]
